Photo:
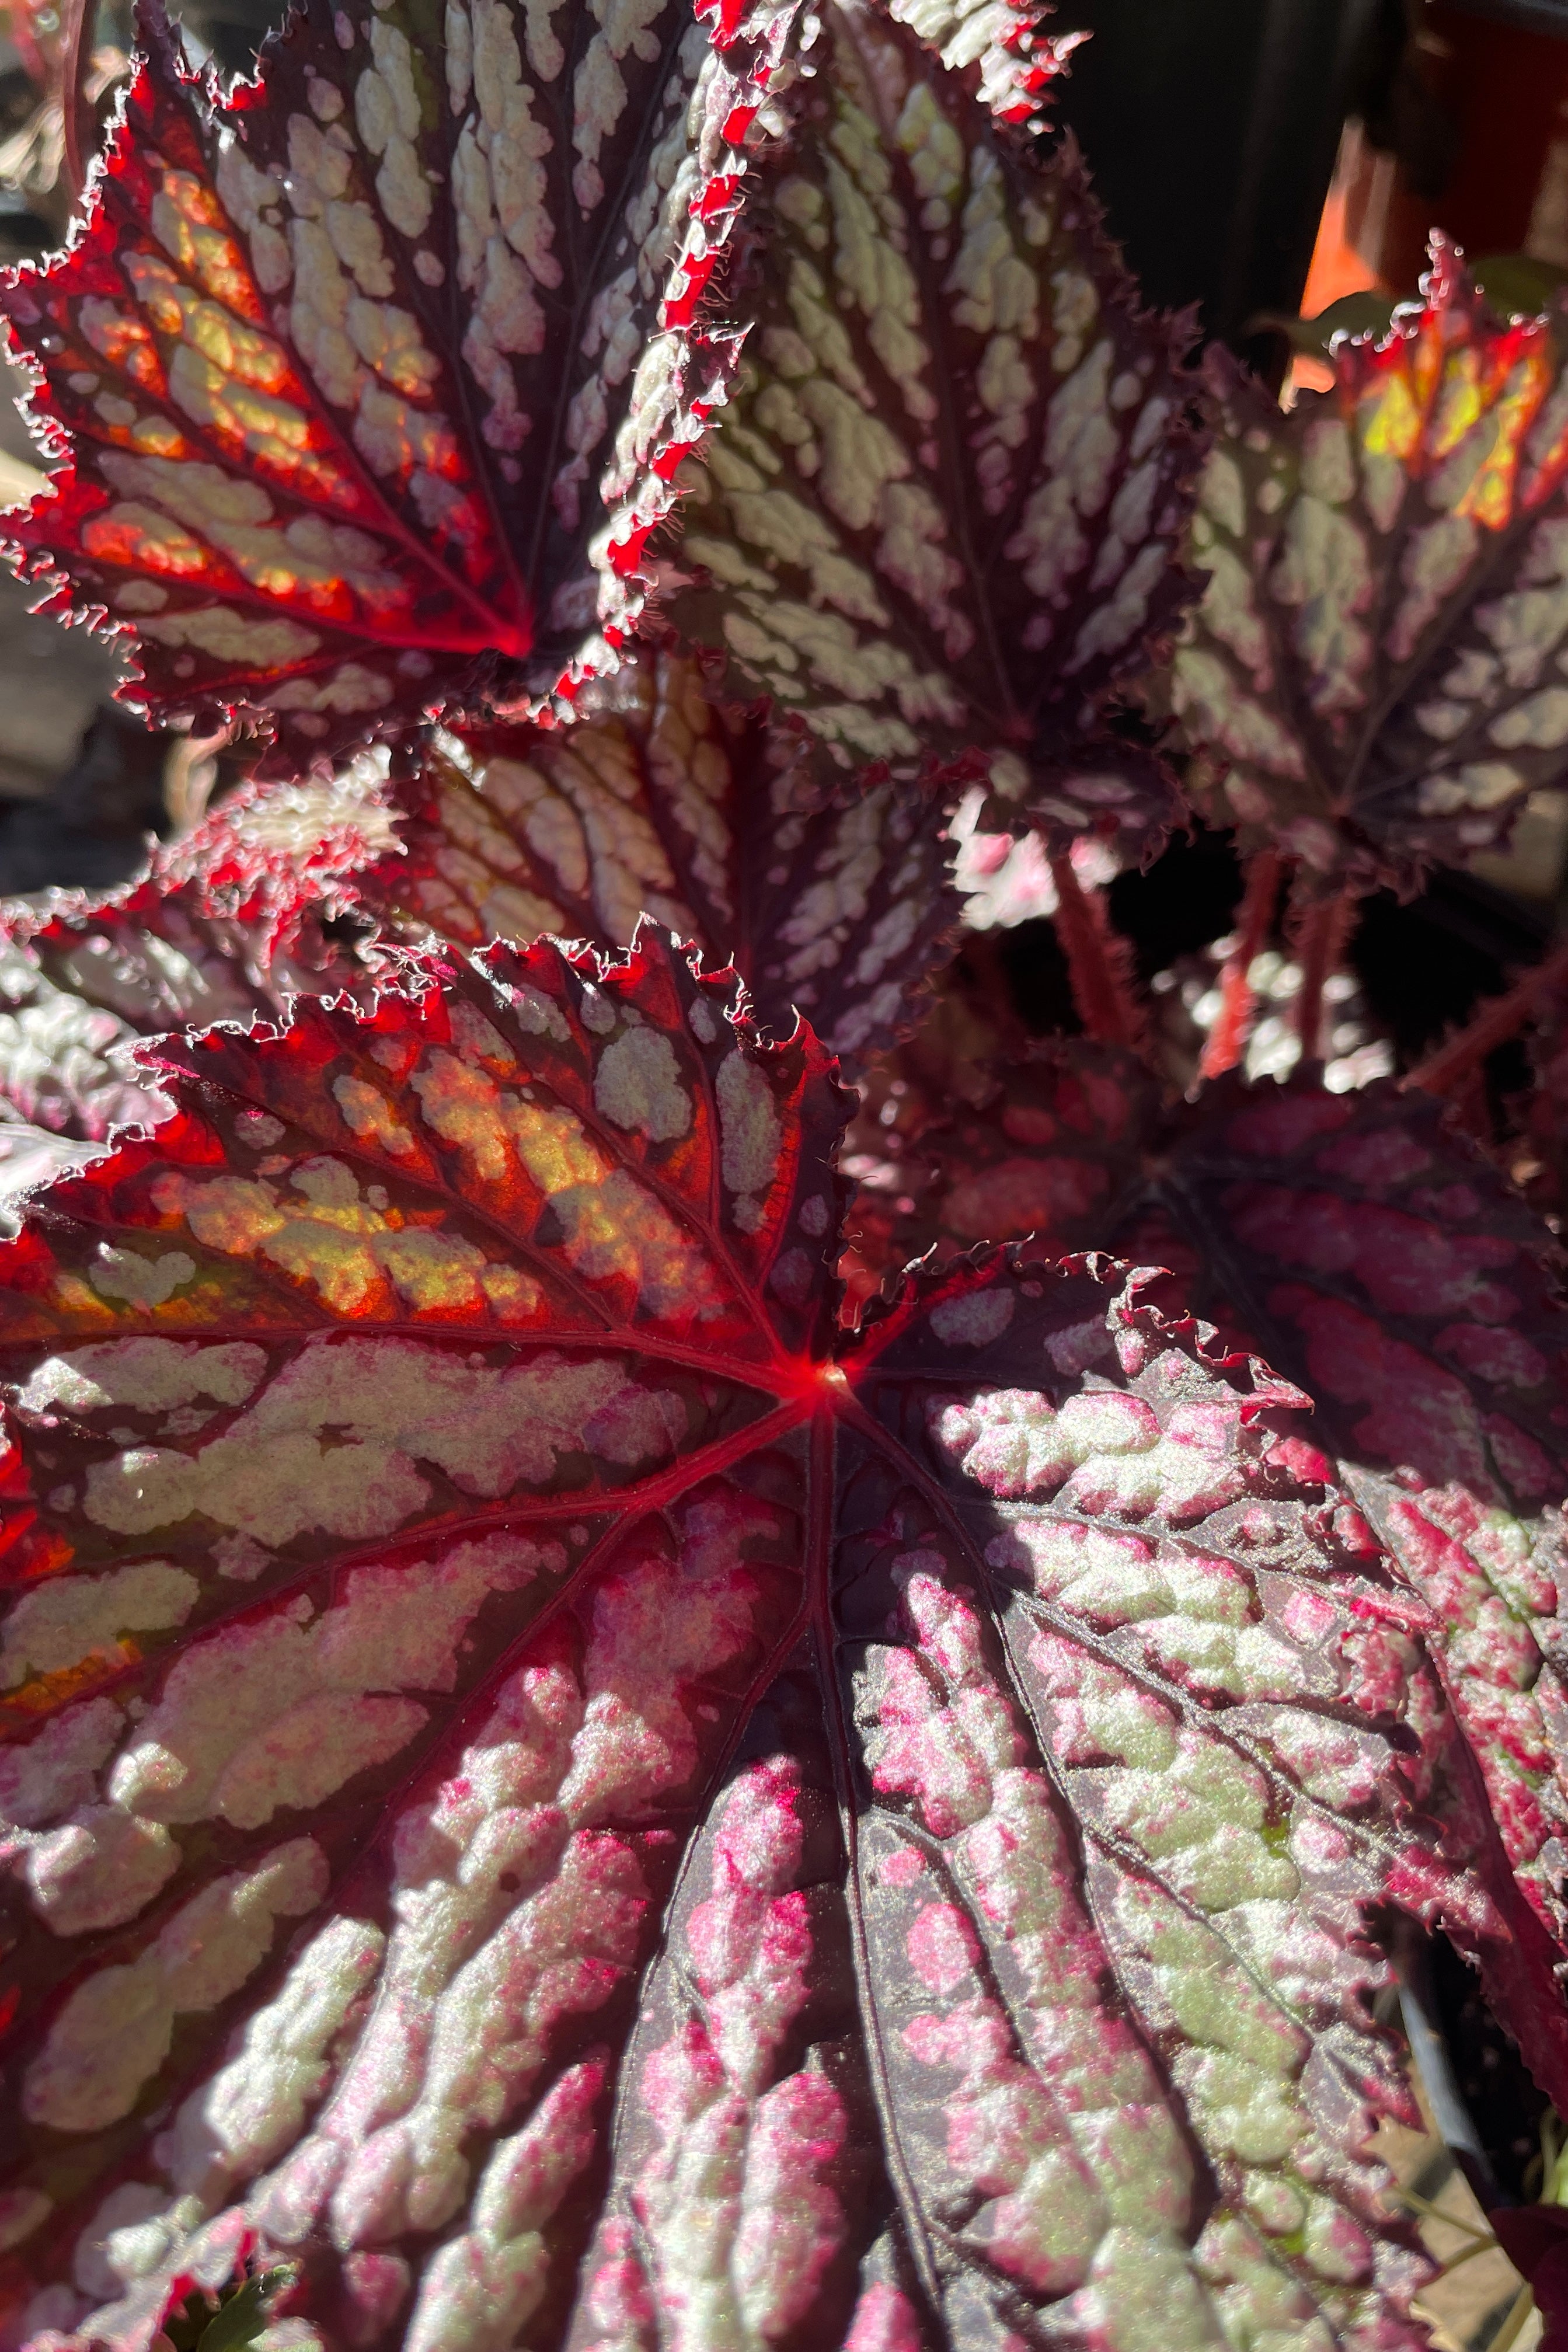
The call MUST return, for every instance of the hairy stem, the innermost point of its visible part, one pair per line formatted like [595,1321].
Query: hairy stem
[1227,1038]
[1490,1026]
[1099,963]
[1319,932]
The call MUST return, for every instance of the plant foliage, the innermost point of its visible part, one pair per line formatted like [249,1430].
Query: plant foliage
[373,375]
[1375,662]
[651,802]
[227,924]
[654,1689]
[535,1719]
[945,506]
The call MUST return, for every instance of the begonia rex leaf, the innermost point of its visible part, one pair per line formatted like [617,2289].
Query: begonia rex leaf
[944,514]
[371,378]
[1373,1254]
[227,922]
[576,1804]
[651,801]
[1376,666]
[1377,1257]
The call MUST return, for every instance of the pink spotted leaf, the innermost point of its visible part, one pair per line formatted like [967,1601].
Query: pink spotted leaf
[944,517]
[1373,672]
[1378,1259]
[1364,1245]
[652,802]
[371,379]
[560,1795]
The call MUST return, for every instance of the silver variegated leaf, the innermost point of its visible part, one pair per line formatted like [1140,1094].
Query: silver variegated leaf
[575,1803]
[1376,672]
[371,377]
[944,513]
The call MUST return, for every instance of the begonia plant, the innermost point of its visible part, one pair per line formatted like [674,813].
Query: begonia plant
[711,1640]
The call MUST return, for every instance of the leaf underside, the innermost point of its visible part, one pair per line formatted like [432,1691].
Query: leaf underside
[372,378]
[943,514]
[546,1799]
[1371,1253]
[650,801]
[1377,665]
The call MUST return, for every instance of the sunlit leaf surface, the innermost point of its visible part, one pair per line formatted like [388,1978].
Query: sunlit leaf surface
[1372,1254]
[1378,1259]
[545,1798]
[651,802]
[373,380]
[227,922]
[1017,57]
[30,1156]
[943,514]
[1377,663]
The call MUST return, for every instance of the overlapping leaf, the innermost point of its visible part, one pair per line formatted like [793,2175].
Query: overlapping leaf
[1379,1259]
[1377,664]
[1540,1161]
[29,1156]
[579,1818]
[943,514]
[1048,1144]
[373,380]
[1368,1250]
[227,924]
[650,802]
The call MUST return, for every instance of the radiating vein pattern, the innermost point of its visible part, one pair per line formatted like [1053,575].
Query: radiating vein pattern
[651,801]
[364,374]
[943,513]
[535,1792]
[1377,666]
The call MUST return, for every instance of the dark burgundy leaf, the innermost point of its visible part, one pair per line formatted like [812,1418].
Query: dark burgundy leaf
[1539,1158]
[651,802]
[584,1807]
[1046,1148]
[943,515]
[373,378]
[1374,667]
[1535,2240]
